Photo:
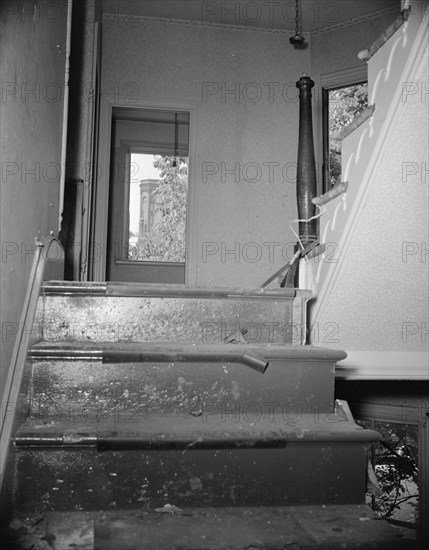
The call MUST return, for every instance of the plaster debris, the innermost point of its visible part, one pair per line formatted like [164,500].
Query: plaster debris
[168,509]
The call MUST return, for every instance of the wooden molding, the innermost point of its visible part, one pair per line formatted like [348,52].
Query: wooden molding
[127,18]
[358,121]
[102,185]
[337,190]
[384,365]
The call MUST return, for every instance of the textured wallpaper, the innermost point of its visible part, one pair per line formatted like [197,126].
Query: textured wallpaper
[338,49]
[242,83]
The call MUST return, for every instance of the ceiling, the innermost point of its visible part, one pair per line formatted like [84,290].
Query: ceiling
[275,14]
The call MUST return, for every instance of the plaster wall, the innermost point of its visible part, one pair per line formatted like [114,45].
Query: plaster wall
[381,293]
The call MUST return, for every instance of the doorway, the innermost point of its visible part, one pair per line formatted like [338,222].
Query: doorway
[147,234]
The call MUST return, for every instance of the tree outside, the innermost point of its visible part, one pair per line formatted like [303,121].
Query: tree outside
[395,462]
[396,467]
[165,240]
[344,105]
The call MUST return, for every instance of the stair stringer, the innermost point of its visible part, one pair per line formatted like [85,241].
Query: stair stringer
[362,153]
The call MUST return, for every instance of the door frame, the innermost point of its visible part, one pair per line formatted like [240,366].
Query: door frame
[102,182]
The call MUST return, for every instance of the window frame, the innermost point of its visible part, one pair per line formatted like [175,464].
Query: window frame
[135,147]
[100,207]
[401,414]
[331,81]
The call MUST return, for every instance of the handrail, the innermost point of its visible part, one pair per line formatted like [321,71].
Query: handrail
[159,352]
[20,349]
[117,289]
[124,352]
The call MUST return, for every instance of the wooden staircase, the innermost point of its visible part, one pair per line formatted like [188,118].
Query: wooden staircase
[154,417]
[141,424]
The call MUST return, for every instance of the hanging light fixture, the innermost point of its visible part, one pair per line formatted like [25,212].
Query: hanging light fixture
[176,139]
[297,40]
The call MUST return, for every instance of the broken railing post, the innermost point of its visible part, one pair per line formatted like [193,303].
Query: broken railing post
[306,188]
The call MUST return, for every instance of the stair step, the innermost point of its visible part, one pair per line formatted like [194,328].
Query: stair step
[358,121]
[87,479]
[337,190]
[118,312]
[210,429]
[330,527]
[366,55]
[176,412]
[215,459]
[85,380]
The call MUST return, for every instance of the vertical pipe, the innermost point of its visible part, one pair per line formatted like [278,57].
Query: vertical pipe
[306,170]
[65,113]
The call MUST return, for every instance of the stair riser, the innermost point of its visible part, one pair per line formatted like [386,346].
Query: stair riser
[91,390]
[82,479]
[136,319]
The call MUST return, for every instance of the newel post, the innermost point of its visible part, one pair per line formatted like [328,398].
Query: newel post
[306,188]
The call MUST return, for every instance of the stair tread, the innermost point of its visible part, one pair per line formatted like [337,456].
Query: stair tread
[140,312]
[198,430]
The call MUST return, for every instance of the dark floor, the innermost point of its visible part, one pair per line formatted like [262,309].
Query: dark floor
[170,528]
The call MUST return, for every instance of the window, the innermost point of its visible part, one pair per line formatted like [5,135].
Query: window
[341,105]
[157,207]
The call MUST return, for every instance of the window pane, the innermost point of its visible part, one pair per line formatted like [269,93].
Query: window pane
[157,207]
[344,106]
